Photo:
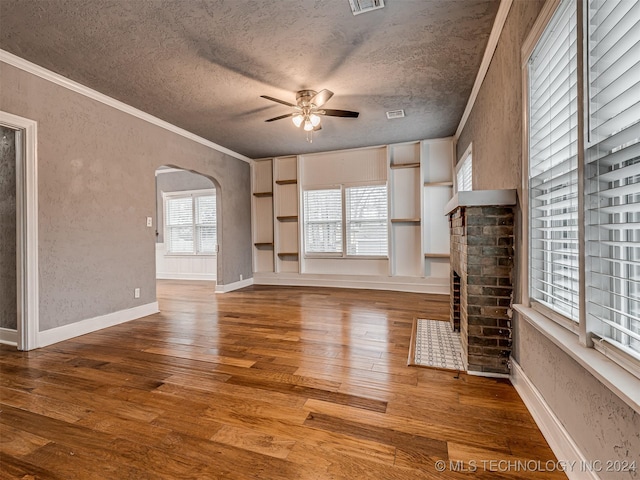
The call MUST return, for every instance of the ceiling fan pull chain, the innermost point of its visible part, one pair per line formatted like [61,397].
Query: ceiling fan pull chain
[310,136]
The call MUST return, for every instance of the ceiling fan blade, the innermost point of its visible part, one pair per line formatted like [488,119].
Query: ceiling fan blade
[321,97]
[278,101]
[280,117]
[338,113]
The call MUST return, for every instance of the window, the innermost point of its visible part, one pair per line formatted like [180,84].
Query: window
[323,221]
[367,220]
[364,221]
[190,223]
[612,174]
[606,192]
[553,166]
[464,171]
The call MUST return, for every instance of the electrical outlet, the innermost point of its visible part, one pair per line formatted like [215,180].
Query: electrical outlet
[136,293]
[149,221]
[241,277]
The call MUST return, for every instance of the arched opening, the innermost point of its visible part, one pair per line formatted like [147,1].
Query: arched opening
[188,207]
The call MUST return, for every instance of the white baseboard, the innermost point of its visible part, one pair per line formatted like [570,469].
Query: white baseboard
[8,336]
[185,276]
[230,287]
[59,334]
[398,284]
[559,439]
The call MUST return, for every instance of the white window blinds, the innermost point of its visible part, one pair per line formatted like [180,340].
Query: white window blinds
[553,176]
[366,226]
[464,175]
[190,224]
[206,223]
[323,221]
[612,173]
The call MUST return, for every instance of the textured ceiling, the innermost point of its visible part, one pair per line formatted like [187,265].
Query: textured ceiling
[203,64]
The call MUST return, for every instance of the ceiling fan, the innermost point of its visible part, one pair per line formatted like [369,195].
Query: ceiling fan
[307,110]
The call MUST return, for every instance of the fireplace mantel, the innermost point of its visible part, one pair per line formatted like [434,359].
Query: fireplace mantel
[477,198]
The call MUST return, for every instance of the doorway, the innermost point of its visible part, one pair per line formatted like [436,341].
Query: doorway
[19,232]
[186,225]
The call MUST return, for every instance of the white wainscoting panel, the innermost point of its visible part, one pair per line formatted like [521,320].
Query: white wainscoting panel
[184,267]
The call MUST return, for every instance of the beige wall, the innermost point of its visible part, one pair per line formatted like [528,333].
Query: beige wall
[495,123]
[602,425]
[96,186]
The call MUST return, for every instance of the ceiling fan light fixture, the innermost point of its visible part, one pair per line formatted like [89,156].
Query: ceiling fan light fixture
[297,120]
[315,119]
[308,126]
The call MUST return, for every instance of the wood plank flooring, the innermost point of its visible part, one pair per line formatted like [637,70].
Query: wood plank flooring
[261,383]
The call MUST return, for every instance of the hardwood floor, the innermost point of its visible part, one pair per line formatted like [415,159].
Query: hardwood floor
[261,383]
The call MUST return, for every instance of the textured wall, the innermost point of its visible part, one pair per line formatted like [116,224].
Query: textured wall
[603,426]
[96,174]
[176,182]
[495,123]
[8,280]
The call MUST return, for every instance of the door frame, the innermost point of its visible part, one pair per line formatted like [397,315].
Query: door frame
[26,228]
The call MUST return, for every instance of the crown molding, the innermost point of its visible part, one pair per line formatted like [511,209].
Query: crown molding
[496,31]
[53,77]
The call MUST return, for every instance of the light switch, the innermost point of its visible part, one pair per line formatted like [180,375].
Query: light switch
[149,222]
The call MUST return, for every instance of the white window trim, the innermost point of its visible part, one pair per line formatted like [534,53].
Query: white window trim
[615,375]
[343,255]
[181,194]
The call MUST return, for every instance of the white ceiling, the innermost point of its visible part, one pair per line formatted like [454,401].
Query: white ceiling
[203,64]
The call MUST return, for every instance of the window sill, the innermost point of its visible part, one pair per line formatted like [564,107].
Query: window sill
[345,257]
[625,385]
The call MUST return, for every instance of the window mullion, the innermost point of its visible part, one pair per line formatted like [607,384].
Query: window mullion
[583,113]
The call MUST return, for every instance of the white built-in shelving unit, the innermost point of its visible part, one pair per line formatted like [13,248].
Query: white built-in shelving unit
[419,180]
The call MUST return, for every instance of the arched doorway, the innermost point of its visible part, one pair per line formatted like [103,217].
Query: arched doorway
[187,218]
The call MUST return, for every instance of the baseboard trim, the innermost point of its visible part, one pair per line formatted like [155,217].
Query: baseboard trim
[396,284]
[185,276]
[230,287]
[59,334]
[559,439]
[8,336]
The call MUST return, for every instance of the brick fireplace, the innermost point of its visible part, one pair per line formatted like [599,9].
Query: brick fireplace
[482,252]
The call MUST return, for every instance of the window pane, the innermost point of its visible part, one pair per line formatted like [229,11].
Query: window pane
[367,220]
[180,239]
[206,239]
[179,211]
[206,210]
[612,174]
[553,178]
[323,221]
[464,175]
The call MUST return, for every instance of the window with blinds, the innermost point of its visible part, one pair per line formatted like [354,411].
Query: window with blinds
[323,221]
[553,166]
[190,224]
[612,173]
[366,223]
[464,174]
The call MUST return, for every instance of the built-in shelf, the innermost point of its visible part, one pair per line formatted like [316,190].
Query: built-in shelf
[436,255]
[438,184]
[286,182]
[263,244]
[405,220]
[405,165]
[263,194]
[287,218]
[288,254]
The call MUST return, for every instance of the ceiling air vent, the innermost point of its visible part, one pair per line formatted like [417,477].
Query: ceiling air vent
[395,114]
[363,6]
